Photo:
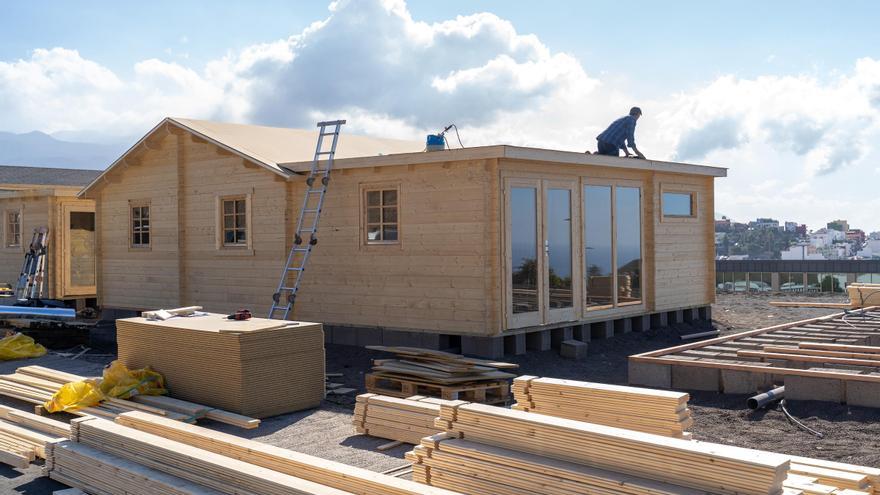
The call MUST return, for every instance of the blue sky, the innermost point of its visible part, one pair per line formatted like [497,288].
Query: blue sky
[785,94]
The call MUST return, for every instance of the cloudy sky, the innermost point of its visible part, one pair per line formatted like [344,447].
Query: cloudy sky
[785,94]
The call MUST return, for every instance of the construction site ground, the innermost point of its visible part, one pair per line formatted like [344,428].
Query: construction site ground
[850,432]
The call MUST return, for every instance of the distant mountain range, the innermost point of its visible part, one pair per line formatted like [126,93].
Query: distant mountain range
[42,150]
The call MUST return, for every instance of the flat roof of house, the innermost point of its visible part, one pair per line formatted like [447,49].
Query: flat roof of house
[289,152]
[45,176]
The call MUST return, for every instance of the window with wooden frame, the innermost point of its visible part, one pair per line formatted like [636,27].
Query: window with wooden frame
[381,215]
[234,218]
[13,228]
[679,204]
[140,225]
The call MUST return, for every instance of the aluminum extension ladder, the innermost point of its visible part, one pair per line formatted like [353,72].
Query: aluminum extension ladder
[33,271]
[307,224]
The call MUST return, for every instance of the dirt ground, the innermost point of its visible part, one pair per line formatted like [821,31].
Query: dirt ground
[850,433]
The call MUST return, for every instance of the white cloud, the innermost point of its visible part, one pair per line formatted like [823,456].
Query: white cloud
[796,145]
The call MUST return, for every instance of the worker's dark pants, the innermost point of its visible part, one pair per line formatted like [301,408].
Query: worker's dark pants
[608,149]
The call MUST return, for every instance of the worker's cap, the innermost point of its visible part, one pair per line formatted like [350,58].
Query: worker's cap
[635,111]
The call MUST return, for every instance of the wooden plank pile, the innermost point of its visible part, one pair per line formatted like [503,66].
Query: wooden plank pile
[404,420]
[683,463]
[256,367]
[207,460]
[25,436]
[816,476]
[440,374]
[652,411]
[37,384]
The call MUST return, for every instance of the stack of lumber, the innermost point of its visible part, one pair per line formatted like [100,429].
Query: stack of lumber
[213,460]
[403,420]
[660,412]
[440,374]
[816,476]
[256,367]
[25,436]
[507,434]
[37,384]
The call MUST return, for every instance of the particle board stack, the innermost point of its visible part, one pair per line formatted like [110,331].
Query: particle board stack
[404,420]
[37,384]
[256,367]
[418,371]
[684,463]
[651,411]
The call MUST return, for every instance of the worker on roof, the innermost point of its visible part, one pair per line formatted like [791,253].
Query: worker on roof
[619,135]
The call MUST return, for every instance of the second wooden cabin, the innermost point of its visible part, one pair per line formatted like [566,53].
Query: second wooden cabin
[492,248]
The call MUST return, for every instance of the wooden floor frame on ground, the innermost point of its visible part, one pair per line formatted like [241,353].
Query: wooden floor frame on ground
[746,351]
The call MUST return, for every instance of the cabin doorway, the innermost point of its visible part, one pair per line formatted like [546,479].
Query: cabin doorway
[541,266]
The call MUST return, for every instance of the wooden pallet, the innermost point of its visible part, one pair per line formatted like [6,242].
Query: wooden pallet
[493,392]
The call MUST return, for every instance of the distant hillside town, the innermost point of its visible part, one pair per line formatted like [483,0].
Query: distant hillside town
[767,238]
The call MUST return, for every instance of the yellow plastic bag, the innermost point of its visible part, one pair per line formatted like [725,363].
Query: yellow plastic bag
[19,346]
[118,382]
[75,395]
[122,383]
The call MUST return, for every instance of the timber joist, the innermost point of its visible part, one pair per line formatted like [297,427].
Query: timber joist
[843,346]
[392,418]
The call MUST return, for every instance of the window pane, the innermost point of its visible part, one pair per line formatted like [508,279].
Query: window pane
[389,198]
[145,212]
[135,213]
[374,198]
[524,249]
[241,236]
[813,282]
[229,236]
[241,206]
[629,245]
[373,215]
[739,282]
[677,204]
[240,221]
[228,207]
[597,245]
[863,278]
[389,215]
[373,233]
[145,224]
[145,238]
[228,221]
[389,233]
[559,244]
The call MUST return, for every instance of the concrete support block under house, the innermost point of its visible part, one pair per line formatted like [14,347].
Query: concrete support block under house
[623,325]
[744,382]
[345,335]
[538,341]
[573,349]
[706,313]
[369,336]
[435,341]
[328,334]
[676,317]
[515,344]
[658,320]
[691,315]
[484,347]
[399,338]
[650,374]
[581,332]
[560,335]
[641,323]
[602,329]
[696,378]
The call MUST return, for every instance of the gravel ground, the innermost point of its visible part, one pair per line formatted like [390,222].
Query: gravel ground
[850,432]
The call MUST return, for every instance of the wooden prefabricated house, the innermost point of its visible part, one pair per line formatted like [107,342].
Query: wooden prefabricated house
[36,197]
[481,247]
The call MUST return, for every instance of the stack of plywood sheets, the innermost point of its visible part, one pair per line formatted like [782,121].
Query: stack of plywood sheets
[448,376]
[403,420]
[256,367]
[652,411]
[685,463]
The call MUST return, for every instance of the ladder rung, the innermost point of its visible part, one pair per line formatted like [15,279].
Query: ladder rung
[296,269]
[324,152]
[311,210]
[300,250]
[329,133]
